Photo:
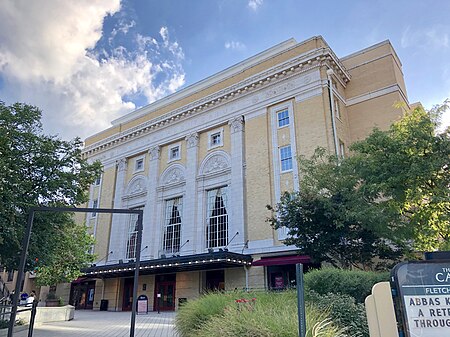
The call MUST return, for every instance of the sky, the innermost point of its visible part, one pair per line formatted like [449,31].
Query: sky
[88,62]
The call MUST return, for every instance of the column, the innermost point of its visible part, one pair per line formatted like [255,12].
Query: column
[190,221]
[152,228]
[118,223]
[236,222]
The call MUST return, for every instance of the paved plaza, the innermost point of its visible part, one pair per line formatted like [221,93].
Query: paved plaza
[89,323]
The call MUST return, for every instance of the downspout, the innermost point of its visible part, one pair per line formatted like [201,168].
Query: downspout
[333,119]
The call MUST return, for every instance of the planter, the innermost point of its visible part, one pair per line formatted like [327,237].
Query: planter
[52,303]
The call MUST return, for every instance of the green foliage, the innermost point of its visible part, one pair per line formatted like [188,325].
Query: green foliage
[39,170]
[343,310]
[274,314]
[355,283]
[366,211]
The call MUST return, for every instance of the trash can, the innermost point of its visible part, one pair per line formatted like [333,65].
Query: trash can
[104,305]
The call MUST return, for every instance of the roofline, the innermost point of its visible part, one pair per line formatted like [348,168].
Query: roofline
[209,81]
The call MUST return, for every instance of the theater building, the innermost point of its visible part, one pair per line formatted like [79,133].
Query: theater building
[204,162]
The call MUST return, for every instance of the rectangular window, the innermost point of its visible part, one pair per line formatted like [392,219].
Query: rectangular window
[132,236]
[97,181]
[217,226]
[139,165]
[286,158]
[174,153]
[172,226]
[215,138]
[283,118]
[341,148]
[336,109]
[94,205]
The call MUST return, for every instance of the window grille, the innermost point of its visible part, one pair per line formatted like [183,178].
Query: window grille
[217,227]
[172,230]
[283,118]
[132,236]
[286,158]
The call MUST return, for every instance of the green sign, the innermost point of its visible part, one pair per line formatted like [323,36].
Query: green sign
[424,297]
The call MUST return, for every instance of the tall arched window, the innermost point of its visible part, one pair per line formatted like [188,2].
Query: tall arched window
[172,230]
[217,226]
[132,236]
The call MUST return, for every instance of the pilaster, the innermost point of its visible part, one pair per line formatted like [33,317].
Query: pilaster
[152,227]
[190,220]
[237,189]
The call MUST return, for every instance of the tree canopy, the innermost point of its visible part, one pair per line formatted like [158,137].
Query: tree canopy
[40,170]
[390,197]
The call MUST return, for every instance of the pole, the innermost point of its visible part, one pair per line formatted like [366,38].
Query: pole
[300,301]
[136,273]
[32,317]
[23,257]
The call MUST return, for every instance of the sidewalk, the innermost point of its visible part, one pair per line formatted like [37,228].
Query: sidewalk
[89,323]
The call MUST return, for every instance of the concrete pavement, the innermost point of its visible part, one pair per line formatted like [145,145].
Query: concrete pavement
[89,323]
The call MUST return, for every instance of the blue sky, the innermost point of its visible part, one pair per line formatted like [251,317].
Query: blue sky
[88,62]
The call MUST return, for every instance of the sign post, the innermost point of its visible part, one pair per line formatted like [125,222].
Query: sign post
[424,297]
[300,300]
[142,305]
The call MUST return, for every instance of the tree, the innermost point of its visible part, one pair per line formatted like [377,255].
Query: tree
[389,197]
[40,170]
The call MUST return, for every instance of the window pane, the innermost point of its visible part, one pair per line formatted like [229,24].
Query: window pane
[286,158]
[172,230]
[283,118]
[217,227]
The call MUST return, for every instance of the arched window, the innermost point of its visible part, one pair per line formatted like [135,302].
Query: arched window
[217,226]
[172,230]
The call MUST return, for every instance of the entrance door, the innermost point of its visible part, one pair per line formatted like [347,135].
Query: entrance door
[127,303]
[82,295]
[165,287]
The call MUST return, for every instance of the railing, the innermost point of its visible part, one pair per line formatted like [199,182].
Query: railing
[5,313]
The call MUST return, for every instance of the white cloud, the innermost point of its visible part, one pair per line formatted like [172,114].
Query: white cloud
[51,62]
[255,4]
[234,45]
[434,37]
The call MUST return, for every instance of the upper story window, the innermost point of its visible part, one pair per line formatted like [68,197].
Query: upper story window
[283,118]
[341,148]
[337,111]
[132,236]
[97,180]
[94,205]
[172,226]
[217,226]
[286,158]
[174,152]
[139,164]
[215,138]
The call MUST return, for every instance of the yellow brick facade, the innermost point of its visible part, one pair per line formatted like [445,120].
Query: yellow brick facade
[205,213]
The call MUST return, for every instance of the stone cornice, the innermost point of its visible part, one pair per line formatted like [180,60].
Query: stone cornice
[302,63]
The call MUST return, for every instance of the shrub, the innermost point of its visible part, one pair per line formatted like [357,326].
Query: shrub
[272,315]
[355,283]
[343,310]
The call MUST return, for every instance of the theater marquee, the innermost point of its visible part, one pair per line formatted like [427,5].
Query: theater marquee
[424,297]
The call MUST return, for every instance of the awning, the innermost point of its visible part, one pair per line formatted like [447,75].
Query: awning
[282,260]
[205,261]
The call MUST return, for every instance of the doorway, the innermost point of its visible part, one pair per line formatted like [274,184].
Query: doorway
[165,286]
[82,295]
[127,301]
